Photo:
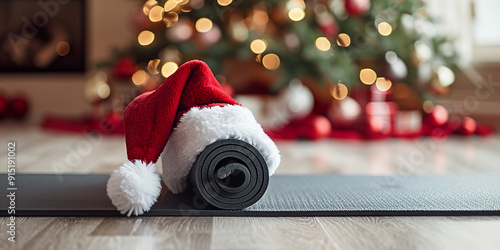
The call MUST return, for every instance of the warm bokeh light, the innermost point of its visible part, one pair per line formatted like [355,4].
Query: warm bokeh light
[168,69]
[271,61]
[383,84]
[148,5]
[153,66]
[445,75]
[62,48]
[428,106]
[258,46]
[440,115]
[296,14]
[224,2]
[343,40]
[339,91]
[323,44]
[367,76]
[146,37]
[469,125]
[292,4]
[169,5]
[384,28]
[102,90]
[170,19]
[156,14]
[140,77]
[203,25]
[258,58]
[260,17]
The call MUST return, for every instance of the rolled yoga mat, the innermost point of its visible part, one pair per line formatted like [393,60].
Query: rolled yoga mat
[287,195]
[229,174]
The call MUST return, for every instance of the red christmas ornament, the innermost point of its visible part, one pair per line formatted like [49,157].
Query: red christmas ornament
[3,106]
[357,8]
[124,68]
[468,126]
[18,107]
[330,30]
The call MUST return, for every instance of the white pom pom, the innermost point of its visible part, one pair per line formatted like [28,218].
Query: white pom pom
[134,187]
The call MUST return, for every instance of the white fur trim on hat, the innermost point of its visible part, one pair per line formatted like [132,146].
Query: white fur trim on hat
[199,128]
[134,187]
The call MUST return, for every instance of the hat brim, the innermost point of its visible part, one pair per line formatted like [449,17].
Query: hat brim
[200,127]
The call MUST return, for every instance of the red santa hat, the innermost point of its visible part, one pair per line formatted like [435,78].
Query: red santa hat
[188,112]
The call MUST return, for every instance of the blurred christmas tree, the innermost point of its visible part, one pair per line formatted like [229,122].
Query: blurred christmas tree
[338,43]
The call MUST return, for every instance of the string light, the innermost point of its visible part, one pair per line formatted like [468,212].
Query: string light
[102,90]
[292,4]
[343,40]
[148,5]
[258,46]
[367,76]
[384,28]
[240,31]
[170,19]
[62,48]
[156,14]
[169,5]
[168,69]
[258,58]
[271,61]
[296,14]
[383,84]
[445,75]
[339,91]
[224,2]
[203,25]
[153,66]
[428,106]
[323,44]
[146,37]
[260,17]
[139,77]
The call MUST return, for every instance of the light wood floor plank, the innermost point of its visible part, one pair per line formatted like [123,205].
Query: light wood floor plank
[413,232]
[64,233]
[26,228]
[177,232]
[269,233]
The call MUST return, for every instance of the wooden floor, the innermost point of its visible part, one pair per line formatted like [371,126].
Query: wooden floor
[44,152]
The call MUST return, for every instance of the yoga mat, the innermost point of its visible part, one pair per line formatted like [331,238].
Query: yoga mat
[287,195]
[229,174]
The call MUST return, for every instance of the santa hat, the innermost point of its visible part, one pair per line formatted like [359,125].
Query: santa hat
[185,114]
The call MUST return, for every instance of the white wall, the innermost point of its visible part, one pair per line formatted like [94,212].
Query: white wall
[108,25]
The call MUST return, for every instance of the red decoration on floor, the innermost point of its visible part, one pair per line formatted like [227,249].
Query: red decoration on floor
[3,106]
[312,127]
[18,107]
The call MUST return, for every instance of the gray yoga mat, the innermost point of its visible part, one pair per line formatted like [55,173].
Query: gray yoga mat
[287,195]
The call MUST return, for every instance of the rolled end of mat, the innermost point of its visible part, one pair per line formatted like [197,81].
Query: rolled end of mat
[229,174]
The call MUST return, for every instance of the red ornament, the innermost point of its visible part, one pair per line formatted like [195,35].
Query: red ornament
[468,126]
[330,30]
[357,8]
[439,116]
[344,113]
[18,107]
[124,68]
[3,106]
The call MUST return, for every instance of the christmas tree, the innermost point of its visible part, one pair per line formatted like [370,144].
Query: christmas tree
[338,43]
